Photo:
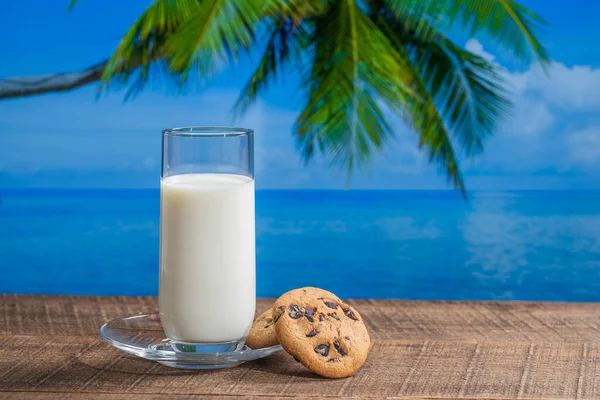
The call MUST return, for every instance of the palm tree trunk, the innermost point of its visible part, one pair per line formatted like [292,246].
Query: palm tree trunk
[40,84]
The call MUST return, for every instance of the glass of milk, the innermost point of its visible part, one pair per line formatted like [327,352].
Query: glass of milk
[207,289]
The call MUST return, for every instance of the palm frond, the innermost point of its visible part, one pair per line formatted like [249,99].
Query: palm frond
[353,67]
[434,135]
[289,29]
[422,112]
[276,53]
[71,5]
[283,48]
[296,10]
[475,98]
[507,23]
[467,89]
[214,34]
[143,43]
[362,56]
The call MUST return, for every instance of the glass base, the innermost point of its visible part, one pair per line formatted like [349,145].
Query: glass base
[183,347]
[142,335]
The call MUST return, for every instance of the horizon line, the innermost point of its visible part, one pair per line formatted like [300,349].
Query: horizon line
[302,189]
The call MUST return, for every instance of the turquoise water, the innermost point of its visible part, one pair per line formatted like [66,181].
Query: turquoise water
[376,244]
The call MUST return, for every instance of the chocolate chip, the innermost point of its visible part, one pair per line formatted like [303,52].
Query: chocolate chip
[295,312]
[312,333]
[338,348]
[334,316]
[350,314]
[309,315]
[278,313]
[331,305]
[322,349]
[333,360]
[269,322]
[321,318]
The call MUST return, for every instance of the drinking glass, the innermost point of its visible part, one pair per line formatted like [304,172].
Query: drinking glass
[207,288]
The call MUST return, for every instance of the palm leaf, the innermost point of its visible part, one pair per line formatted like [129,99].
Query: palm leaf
[506,21]
[472,96]
[509,24]
[143,44]
[296,10]
[71,5]
[214,34]
[275,55]
[363,55]
[189,35]
[289,22]
[434,135]
[421,112]
[467,89]
[353,67]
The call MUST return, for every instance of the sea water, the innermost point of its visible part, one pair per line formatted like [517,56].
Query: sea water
[538,245]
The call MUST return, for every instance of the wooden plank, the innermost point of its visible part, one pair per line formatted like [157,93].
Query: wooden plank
[422,350]
[445,369]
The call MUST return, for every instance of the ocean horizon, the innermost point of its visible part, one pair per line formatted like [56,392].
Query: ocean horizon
[401,244]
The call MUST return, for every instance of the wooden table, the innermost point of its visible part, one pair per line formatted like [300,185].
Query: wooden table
[423,350]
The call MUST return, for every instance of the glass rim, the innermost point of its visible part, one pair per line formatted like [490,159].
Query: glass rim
[207,131]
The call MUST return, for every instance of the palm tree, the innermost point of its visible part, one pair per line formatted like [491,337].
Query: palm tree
[359,61]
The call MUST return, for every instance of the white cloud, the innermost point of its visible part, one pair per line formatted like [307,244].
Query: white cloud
[548,128]
[474,46]
[568,88]
[529,117]
[584,146]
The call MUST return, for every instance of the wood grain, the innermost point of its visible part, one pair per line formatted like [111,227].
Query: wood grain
[422,350]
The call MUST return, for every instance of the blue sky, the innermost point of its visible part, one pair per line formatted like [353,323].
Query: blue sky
[552,140]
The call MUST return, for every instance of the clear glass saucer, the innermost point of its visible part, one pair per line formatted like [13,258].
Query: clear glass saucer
[142,335]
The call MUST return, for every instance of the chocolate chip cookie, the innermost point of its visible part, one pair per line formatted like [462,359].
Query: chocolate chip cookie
[262,334]
[325,334]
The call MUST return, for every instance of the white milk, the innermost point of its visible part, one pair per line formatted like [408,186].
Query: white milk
[207,257]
